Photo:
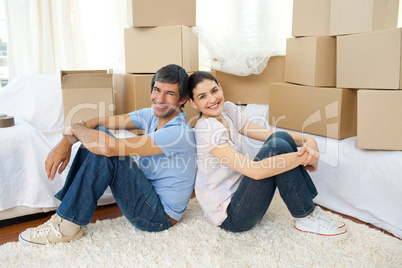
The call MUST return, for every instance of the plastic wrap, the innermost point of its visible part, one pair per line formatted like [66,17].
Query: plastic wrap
[245,34]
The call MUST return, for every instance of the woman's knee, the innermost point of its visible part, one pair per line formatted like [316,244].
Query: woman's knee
[279,146]
[282,135]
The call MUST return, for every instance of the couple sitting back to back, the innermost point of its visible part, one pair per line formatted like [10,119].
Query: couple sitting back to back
[234,191]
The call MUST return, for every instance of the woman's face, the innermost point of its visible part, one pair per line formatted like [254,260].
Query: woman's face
[208,98]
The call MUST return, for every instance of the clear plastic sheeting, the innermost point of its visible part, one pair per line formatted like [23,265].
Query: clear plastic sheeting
[240,36]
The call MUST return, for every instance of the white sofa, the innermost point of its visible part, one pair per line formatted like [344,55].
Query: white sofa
[35,101]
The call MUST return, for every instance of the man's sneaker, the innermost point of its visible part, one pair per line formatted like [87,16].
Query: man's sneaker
[47,233]
[319,224]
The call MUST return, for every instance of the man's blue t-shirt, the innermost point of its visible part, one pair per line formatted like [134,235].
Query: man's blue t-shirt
[172,173]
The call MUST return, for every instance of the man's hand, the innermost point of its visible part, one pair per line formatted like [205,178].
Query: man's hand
[58,158]
[69,130]
[310,147]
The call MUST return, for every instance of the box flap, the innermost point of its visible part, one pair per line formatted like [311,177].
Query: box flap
[86,103]
[86,79]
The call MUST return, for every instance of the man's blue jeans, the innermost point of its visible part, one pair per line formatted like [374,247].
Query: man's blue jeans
[91,174]
[253,197]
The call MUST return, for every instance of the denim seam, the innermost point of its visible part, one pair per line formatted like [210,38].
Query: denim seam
[301,215]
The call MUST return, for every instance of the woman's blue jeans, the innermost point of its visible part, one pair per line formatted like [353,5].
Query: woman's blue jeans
[91,174]
[253,197]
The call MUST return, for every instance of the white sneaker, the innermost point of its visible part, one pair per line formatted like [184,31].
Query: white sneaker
[339,224]
[47,233]
[319,224]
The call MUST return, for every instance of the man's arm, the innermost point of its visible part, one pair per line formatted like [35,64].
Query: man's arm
[99,142]
[59,156]
[112,122]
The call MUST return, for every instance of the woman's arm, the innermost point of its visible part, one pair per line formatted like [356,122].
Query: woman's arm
[307,143]
[257,170]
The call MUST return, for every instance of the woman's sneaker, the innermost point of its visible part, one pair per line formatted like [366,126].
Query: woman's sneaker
[320,224]
[339,224]
[47,233]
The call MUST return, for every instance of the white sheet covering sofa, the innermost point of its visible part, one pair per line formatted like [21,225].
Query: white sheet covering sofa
[364,184]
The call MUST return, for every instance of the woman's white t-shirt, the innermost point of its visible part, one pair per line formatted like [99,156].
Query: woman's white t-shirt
[215,184]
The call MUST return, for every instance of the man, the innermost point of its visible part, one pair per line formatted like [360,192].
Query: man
[152,194]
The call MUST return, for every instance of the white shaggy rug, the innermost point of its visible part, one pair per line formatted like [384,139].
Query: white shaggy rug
[193,242]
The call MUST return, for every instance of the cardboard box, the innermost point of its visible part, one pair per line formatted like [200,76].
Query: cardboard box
[311,17]
[357,16]
[253,88]
[149,49]
[149,13]
[311,61]
[329,112]
[379,123]
[134,93]
[86,94]
[370,60]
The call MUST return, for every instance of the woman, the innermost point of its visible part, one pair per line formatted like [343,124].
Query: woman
[235,191]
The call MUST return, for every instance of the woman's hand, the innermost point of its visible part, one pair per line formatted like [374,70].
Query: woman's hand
[310,147]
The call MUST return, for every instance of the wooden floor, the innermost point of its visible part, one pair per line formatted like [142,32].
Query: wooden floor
[10,233]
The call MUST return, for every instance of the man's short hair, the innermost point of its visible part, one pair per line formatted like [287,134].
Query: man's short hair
[172,74]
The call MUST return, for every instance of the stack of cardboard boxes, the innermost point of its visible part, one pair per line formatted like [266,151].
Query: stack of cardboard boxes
[160,34]
[343,69]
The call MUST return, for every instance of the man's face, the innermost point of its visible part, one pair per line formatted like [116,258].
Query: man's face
[165,100]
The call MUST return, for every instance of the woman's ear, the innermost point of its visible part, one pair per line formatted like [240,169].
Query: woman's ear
[192,103]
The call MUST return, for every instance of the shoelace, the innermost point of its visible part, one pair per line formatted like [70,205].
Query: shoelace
[318,214]
[45,231]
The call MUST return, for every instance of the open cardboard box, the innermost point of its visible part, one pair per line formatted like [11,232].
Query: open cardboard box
[86,94]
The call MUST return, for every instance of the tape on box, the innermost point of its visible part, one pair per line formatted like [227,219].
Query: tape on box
[6,121]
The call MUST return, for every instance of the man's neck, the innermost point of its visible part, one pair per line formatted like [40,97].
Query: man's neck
[162,121]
